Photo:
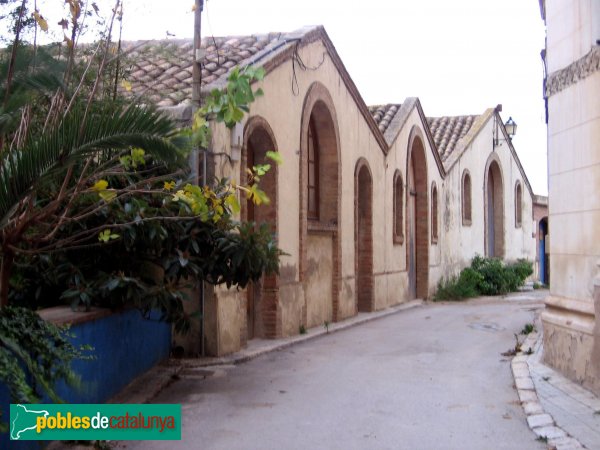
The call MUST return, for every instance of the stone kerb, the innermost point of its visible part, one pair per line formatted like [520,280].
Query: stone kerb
[539,421]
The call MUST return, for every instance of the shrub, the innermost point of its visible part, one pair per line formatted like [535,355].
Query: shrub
[494,280]
[522,269]
[459,288]
[486,276]
[34,356]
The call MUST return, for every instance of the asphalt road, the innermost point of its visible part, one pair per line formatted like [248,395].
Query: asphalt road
[432,377]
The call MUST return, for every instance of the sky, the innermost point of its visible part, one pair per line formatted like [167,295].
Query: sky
[459,57]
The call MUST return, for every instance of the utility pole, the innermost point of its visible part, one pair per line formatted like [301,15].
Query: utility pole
[197,69]
[196,100]
[197,89]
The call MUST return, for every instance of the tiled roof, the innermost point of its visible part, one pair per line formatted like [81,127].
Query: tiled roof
[161,70]
[448,130]
[383,114]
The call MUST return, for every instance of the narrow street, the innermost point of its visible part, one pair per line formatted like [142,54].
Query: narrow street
[432,377]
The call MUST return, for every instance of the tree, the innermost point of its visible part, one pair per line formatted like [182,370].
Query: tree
[85,170]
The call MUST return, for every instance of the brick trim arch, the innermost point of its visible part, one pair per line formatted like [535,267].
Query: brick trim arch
[319,105]
[363,236]
[493,201]
[264,318]
[417,215]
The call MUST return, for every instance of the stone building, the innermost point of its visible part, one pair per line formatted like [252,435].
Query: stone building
[572,92]
[373,206]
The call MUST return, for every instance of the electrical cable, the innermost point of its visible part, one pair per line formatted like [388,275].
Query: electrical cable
[297,59]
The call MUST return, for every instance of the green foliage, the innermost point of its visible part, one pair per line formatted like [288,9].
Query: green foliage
[226,105]
[461,287]
[496,280]
[522,269]
[44,159]
[167,245]
[34,355]
[528,328]
[95,204]
[486,276]
[500,278]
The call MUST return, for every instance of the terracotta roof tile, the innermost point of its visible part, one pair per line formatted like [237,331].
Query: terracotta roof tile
[448,130]
[159,68]
[383,114]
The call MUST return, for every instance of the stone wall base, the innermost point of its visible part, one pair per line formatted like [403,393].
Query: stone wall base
[569,341]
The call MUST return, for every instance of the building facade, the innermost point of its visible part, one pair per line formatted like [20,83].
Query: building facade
[572,92]
[372,206]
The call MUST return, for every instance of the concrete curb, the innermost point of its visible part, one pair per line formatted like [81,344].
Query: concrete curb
[147,386]
[539,421]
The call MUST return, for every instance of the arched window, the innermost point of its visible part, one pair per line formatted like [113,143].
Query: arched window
[313,172]
[398,208]
[434,214]
[466,198]
[518,204]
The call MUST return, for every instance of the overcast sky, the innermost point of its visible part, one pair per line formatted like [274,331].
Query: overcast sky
[458,57]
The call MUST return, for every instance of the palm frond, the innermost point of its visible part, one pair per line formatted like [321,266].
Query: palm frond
[44,158]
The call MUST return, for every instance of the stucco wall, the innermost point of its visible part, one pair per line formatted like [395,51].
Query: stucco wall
[466,241]
[393,259]
[282,108]
[306,295]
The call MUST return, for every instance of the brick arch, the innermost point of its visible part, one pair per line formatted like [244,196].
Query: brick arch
[363,236]
[417,216]
[493,200]
[263,317]
[319,112]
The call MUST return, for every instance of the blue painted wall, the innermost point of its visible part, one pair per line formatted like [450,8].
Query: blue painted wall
[125,346]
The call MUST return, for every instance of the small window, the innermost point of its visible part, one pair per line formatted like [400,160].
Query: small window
[434,214]
[518,205]
[313,172]
[466,198]
[398,209]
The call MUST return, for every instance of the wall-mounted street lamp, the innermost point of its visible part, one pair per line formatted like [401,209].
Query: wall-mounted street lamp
[511,129]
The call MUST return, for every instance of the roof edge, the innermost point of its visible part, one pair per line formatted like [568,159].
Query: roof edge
[401,117]
[283,51]
[354,92]
[436,153]
[464,142]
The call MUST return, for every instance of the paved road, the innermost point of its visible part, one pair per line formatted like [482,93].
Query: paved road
[432,377]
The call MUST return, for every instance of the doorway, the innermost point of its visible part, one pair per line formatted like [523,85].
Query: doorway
[261,296]
[494,212]
[417,221]
[363,191]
